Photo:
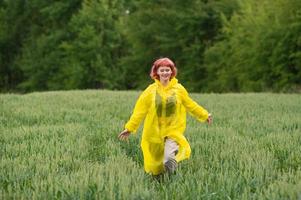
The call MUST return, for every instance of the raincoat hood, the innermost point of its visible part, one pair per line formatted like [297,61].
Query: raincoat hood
[171,83]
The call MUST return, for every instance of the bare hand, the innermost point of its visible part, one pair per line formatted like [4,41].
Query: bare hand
[210,119]
[124,135]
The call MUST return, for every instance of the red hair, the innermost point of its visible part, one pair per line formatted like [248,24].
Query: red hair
[163,62]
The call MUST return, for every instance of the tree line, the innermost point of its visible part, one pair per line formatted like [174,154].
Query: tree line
[217,45]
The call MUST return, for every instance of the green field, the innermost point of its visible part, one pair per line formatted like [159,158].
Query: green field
[63,145]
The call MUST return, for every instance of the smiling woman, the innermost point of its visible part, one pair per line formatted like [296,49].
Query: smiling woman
[163,104]
[163,69]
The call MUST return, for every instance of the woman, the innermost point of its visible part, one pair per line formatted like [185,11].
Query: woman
[163,104]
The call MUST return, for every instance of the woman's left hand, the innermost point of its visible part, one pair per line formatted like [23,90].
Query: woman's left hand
[210,119]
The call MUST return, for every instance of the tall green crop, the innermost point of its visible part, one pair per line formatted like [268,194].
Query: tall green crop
[63,145]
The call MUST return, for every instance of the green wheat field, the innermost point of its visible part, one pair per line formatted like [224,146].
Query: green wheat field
[63,145]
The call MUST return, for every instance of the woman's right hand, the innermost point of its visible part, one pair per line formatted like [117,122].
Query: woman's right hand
[124,135]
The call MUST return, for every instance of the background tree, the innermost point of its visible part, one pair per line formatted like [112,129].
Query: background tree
[218,45]
[95,46]
[259,49]
[14,27]
[181,30]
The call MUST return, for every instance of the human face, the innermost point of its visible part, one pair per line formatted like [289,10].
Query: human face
[164,73]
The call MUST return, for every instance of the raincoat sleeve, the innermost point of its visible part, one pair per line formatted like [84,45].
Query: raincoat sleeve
[140,111]
[193,108]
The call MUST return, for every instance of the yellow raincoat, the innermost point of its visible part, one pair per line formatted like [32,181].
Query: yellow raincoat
[164,110]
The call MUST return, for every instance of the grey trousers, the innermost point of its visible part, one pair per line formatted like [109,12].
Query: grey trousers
[171,148]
